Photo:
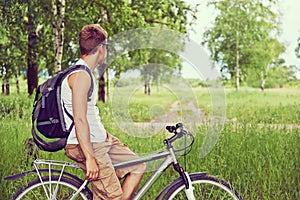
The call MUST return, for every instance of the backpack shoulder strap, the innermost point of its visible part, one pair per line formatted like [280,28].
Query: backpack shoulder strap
[85,68]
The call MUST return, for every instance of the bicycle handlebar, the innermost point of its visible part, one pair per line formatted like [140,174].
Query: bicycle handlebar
[179,132]
[173,129]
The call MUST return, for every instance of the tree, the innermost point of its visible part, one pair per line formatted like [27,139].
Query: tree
[121,16]
[297,49]
[239,35]
[37,41]
[263,60]
[32,55]
[58,23]
[170,14]
[161,67]
[280,74]
[12,44]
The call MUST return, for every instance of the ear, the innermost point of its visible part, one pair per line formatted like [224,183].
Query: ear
[100,49]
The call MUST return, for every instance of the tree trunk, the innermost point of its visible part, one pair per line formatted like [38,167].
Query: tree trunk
[147,89]
[3,88]
[237,79]
[7,91]
[101,91]
[32,79]
[158,84]
[101,87]
[32,57]
[58,23]
[17,83]
[107,86]
[237,68]
[262,85]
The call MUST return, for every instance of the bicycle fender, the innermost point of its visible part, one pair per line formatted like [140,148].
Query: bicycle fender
[177,180]
[20,175]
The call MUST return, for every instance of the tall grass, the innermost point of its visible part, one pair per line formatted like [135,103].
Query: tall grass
[257,156]
[261,162]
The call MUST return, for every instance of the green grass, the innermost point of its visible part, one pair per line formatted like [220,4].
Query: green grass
[260,160]
[271,106]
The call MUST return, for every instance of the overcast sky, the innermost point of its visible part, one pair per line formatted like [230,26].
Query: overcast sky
[290,10]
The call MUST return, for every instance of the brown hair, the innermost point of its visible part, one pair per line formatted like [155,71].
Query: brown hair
[90,36]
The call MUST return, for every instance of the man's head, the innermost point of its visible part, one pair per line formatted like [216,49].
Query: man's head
[90,37]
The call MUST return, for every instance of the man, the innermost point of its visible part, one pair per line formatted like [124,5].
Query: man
[89,144]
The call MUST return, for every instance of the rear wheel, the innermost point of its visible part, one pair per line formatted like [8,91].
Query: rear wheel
[205,187]
[52,190]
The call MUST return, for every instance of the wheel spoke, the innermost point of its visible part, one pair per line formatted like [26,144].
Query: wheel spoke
[206,188]
[56,190]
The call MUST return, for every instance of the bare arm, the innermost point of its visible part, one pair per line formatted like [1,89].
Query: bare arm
[80,83]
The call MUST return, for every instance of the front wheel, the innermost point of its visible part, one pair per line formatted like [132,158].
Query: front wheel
[205,187]
[50,189]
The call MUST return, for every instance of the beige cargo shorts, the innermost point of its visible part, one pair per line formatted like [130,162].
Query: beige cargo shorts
[107,186]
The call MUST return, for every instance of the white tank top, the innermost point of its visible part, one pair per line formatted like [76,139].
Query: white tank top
[97,130]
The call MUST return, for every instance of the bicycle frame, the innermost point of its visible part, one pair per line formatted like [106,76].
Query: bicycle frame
[156,174]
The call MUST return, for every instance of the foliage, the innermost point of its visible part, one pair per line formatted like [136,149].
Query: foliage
[240,39]
[170,15]
[277,75]
[13,38]
[22,19]
[281,75]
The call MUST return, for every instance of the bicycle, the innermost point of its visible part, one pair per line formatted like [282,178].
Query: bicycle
[59,184]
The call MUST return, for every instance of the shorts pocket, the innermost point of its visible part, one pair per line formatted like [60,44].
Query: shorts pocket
[74,152]
[108,183]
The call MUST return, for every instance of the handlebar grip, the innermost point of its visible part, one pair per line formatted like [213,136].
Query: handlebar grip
[171,129]
[175,129]
[179,125]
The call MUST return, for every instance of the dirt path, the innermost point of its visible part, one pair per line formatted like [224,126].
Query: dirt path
[188,114]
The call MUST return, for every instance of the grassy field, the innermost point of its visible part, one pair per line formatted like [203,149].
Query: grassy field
[258,151]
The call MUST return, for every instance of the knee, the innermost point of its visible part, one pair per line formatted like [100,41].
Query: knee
[143,168]
[140,169]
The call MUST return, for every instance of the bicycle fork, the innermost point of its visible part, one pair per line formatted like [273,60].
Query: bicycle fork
[189,189]
[184,175]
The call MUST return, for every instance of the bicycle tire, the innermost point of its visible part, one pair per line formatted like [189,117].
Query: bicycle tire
[34,190]
[205,187]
